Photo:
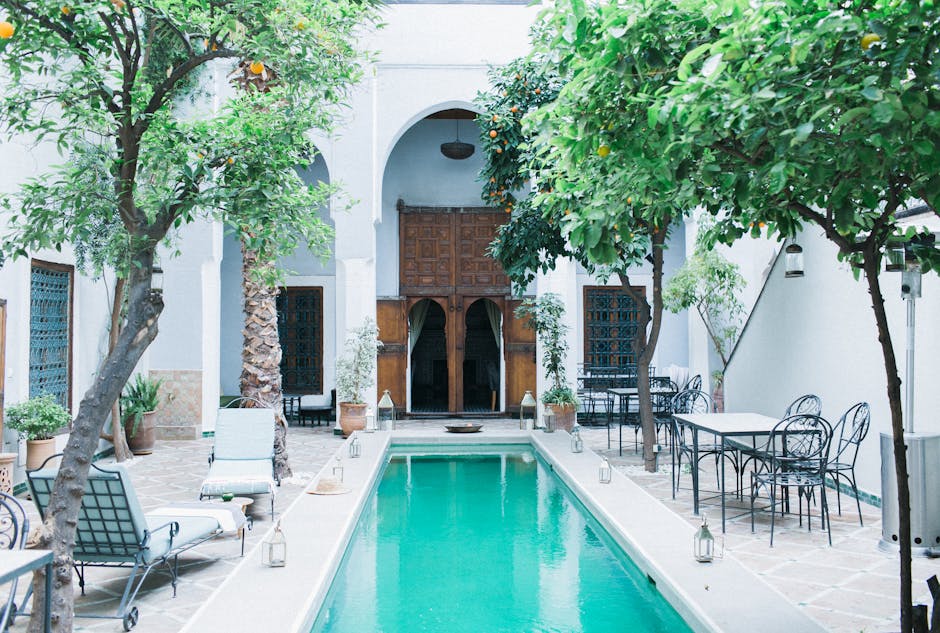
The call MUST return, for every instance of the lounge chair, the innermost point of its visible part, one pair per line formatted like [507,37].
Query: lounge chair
[242,459]
[14,528]
[114,531]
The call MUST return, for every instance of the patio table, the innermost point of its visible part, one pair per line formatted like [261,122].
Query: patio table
[724,426]
[15,563]
[623,394]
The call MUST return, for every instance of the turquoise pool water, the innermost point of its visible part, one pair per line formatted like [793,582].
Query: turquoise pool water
[484,544]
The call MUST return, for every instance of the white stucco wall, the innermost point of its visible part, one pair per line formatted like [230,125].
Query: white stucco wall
[817,334]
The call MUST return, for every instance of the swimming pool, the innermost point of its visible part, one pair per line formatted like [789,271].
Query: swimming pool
[490,541]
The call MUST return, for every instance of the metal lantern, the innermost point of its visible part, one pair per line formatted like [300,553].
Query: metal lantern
[355,446]
[603,472]
[156,279]
[703,543]
[577,443]
[894,258]
[386,412]
[370,421]
[274,550]
[794,260]
[548,420]
[527,412]
[338,469]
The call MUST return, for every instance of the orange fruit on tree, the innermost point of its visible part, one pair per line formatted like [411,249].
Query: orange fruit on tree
[6,30]
[514,109]
[230,161]
[629,199]
[868,39]
[118,4]
[492,180]
[603,150]
[505,142]
[538,91]
[499,150]
[495,118]
[300,26]
[66,10]
[493,133]
[256,67]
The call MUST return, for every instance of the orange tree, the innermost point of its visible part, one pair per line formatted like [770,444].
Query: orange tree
[589,198]
[824,114]
[120,74]
[785,114]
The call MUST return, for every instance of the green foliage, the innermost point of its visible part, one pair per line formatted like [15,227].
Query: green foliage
[356,366]
[37,418]
[140,396]
[544,316]
[709,283]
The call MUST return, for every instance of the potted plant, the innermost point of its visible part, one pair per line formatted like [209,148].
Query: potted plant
[355,369]
[37,420]
[138,402]
[544,316]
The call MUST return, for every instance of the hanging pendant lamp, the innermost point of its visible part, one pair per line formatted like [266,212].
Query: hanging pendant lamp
[457,150]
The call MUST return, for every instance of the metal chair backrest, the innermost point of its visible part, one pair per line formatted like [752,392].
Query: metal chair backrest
[662,391]
[14,524]
[111,522]
[244,434]
[692,401]
[800,443]
[808,404]
[852,429]
[695,383]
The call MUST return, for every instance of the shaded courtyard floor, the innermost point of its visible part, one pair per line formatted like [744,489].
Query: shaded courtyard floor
[851,587]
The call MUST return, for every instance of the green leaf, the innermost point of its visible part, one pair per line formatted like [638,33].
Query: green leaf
[803,131]
[882,112]
[872,93]
[924,147]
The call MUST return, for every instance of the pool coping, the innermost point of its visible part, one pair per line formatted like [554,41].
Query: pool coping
[318,528]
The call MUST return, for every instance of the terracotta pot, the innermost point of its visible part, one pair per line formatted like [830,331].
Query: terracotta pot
[143,441]
[6,472]
[38,451]
[352,417]
[565,415]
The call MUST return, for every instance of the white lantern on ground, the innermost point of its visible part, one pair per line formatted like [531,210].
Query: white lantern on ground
[274,550]
[527,412]
[387,412]
[703,543]
[603,472]
[355,446]
[548,420]
[338,469]
[577,443]
[370,421]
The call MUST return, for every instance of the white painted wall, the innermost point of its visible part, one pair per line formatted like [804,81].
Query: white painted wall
[817,334]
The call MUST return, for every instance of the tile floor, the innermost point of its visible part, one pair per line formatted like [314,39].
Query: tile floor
[851,587]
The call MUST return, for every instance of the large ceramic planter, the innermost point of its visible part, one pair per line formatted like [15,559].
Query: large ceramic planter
[143,441]
[38,451]
[352,417]
[6,472]
[565,415]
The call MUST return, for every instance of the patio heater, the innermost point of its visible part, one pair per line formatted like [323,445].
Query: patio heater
[923,449]
[527,412]
[386,412]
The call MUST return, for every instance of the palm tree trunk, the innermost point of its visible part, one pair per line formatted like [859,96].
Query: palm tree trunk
[261,352]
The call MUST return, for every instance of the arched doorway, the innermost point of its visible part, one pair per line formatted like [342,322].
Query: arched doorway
[481,366]
[427,342]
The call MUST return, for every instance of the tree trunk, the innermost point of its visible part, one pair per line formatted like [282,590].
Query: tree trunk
[261,352]
[121,451]
[58,530]
[872,268]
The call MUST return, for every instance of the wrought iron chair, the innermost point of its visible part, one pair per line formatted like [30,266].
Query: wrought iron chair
[662,391]
[14,528]
[797,452]
[808,404]
[693,401]
[695,383]
[850,430]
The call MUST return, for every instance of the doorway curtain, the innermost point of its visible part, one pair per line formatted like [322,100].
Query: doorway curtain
[416,319]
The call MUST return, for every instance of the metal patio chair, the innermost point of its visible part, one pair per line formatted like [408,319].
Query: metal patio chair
[809,404]
[797,452]
[847,435]
[14,528]
[694,401]
[114,531]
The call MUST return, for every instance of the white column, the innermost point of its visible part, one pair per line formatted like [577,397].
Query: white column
[563,281]
[699,343]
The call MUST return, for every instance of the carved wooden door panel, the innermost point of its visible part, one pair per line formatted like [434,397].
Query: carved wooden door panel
[393,355]
[520,357]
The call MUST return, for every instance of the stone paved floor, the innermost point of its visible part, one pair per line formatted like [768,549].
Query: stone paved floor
[851,587]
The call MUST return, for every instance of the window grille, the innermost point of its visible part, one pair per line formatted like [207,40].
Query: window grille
[300,330]
[50,332]
[610,323]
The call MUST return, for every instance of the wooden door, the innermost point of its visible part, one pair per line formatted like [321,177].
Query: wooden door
[520,357]
[392,320]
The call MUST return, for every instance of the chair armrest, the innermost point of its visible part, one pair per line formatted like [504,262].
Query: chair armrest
[173,526]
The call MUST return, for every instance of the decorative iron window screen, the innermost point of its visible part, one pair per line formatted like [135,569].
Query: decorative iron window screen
[610,323]
[50,336]
[300,330]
